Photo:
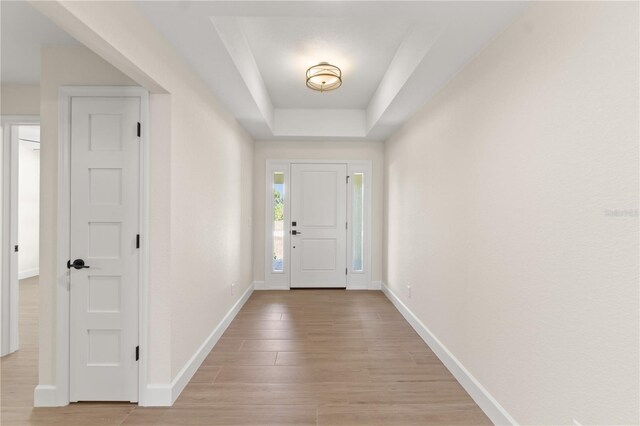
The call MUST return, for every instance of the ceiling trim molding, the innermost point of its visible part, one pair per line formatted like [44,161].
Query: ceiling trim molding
[234,39]
[320,123]
[404,64]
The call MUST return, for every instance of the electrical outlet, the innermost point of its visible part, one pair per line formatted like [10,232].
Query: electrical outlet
[233,288]
[409,291]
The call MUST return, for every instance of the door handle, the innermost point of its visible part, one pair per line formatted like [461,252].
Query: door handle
[294,232]
[77,264]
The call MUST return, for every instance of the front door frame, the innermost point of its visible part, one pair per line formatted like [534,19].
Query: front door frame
[282,281]
[64,214]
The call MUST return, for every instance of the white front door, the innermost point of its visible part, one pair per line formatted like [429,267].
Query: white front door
[105,164]
[318,225]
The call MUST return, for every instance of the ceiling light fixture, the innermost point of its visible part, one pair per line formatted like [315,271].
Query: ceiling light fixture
[324,77]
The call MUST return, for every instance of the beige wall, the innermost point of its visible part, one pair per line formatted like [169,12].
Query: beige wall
[210,210]
[87,69]
[508,179]
[292,150]
[200,184]
[19,99]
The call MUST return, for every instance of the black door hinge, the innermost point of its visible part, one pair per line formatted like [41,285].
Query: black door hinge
[345,271]
[15,248]
[138,241]
[347,179]
[137,353]
[139,129]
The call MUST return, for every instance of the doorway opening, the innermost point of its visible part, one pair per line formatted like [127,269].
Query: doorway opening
[28,201]
[20,232]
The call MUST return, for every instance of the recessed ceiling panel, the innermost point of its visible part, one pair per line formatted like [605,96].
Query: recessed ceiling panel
[284,47]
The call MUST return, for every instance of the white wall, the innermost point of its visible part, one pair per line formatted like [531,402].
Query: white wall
[294,150]
[520,182]
[28,201]
[200,185]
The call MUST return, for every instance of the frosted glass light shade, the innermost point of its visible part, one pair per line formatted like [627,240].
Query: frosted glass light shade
[324,77]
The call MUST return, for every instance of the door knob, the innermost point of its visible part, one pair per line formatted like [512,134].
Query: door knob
[77,264]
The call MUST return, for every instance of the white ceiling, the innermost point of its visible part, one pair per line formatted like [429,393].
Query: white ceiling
[283,47]
[394,55]
[23,32]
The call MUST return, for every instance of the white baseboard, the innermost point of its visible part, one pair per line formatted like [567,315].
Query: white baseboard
[157,396]
[45,396]
[28,273]
[480,395]
[165,395]
[261,285]
[358,286]
[375,285]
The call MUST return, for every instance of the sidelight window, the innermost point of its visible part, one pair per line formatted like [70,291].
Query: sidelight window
[357,227]
[278,222]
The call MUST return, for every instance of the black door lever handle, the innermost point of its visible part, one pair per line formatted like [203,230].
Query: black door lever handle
[77,264]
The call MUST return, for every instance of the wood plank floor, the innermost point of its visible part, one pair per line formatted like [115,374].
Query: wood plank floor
[304,357]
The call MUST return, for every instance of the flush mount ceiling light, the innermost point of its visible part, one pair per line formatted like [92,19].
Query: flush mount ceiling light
[324,77]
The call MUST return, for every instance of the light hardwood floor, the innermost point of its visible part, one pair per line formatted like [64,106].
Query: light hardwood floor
[325,357]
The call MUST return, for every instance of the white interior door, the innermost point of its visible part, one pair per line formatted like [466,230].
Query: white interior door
[318,225]
[105,162]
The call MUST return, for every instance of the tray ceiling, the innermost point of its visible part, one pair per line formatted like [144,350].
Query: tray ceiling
[394,55]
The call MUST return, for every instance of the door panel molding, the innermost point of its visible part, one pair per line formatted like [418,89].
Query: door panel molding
[63,240]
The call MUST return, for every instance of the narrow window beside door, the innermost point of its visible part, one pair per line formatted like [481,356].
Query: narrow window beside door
[278,222]
[357,227]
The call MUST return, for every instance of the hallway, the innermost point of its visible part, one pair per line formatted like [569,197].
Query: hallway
[289,357]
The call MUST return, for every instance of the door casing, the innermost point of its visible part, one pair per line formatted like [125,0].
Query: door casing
[281,281]
[63,225]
